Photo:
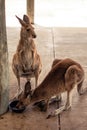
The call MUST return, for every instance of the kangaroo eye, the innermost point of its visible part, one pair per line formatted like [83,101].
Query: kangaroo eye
[28,29]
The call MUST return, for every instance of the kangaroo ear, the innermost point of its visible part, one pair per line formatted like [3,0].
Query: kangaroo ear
[21,21]
[26,19]
[27,89]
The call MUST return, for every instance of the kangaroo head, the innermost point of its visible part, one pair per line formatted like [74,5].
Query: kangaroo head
[27,29]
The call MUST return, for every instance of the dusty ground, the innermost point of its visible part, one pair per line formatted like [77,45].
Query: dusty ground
[58,43]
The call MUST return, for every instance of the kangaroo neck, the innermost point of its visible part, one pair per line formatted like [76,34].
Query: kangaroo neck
[38,94]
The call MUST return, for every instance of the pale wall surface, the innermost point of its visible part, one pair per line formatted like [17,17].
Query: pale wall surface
[66,13]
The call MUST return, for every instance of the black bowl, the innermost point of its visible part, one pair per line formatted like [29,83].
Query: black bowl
[12,106]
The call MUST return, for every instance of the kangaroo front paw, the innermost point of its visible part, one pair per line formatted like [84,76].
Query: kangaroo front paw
[41,105]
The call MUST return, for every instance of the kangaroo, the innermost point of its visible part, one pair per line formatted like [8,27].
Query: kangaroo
[26,61]
[63,77]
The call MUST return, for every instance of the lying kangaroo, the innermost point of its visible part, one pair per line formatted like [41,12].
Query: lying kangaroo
[64,75]
[26,61]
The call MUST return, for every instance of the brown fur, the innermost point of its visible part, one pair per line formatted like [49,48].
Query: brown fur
[26,61]
[62,77]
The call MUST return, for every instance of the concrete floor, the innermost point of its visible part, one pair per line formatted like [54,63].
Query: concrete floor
[51,43]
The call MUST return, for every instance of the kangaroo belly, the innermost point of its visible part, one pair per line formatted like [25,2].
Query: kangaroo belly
[26,58]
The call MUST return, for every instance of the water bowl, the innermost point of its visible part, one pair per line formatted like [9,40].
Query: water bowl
[13,108]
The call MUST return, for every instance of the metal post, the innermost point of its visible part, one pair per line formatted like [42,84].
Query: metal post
[30,10]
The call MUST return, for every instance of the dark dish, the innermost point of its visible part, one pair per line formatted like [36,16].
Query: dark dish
[12,106]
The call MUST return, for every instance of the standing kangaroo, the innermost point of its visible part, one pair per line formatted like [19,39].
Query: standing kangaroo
[63,77]
[26,61]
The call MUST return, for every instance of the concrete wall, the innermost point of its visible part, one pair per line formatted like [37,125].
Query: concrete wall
[4,92]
